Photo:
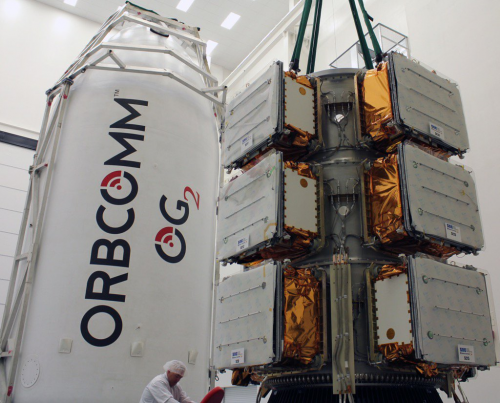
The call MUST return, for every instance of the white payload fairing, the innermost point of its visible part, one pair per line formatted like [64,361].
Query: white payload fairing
[113,268]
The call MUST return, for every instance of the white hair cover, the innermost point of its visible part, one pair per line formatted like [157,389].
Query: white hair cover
[175,366]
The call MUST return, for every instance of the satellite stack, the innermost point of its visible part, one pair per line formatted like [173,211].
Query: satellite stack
[345,212]
[114,263]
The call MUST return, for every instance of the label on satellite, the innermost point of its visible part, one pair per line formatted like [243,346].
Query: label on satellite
[246,142]
[238,356]
[453,232]
[436,130]
[242,243]
[466,353]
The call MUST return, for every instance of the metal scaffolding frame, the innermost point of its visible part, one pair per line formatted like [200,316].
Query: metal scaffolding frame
[16,307]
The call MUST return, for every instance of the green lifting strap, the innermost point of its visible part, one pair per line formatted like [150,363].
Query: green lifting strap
[294,63]
[315,34]
[368,18]
[362,40]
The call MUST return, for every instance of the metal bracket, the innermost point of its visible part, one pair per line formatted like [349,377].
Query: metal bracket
[342,330]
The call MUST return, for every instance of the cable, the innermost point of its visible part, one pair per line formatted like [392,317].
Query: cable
[315,34]
[368,18]
[294,63]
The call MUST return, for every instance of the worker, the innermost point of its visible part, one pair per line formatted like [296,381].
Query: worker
[164,388]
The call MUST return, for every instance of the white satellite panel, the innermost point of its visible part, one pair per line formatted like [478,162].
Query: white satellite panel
[254,116]
[244,318]
[451,314]
[439,199]
[426,104]
[250,208]
[301,201]
[393,310]
[299,106]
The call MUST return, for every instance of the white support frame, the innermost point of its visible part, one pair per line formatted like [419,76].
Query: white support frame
[130,13]
[16,307]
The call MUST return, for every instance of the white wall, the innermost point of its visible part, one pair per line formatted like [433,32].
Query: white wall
[459,38]
[14,179]
[338,33]
[37,44]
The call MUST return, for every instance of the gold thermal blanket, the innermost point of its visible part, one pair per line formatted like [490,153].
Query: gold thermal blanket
[385,195]
[389,271]
[301,168]
[387,212]
[302,315]
[403,354]
[377,102]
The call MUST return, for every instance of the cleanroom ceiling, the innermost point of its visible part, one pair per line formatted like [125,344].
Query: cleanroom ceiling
[258,17]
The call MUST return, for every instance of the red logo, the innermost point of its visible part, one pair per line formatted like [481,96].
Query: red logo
[170,240]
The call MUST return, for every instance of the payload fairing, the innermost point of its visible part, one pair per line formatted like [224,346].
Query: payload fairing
[119,221]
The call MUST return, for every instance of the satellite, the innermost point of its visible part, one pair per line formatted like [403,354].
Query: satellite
[345,235]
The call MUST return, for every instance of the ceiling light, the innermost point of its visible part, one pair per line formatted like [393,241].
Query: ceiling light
[71,2]
[184,5]
[211,46]
[230,20]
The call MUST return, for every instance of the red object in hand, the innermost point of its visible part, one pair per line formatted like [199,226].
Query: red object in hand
[214,396]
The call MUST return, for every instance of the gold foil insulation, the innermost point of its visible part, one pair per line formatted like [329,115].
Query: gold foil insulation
[301,168]
[385,195]
[386,220]
[404,354]
[300,79]
[297,246]
[241,376]
[389,271]
[301,315]
[377,106]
